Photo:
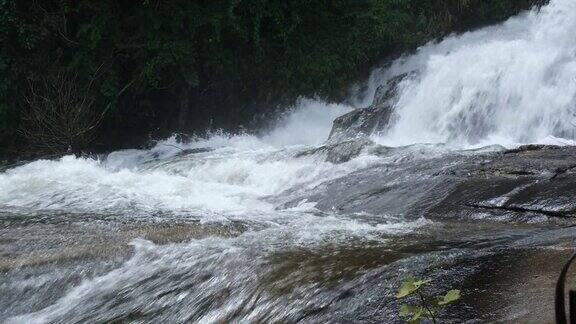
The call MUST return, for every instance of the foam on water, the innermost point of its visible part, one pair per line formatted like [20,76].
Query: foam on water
[507,84]
[233,175]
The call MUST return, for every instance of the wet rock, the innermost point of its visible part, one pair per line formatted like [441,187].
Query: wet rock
[525,182]
[531,147]
[365,121]
[360,123]
[520,185]
[185,152]
[340,152]
[523,281]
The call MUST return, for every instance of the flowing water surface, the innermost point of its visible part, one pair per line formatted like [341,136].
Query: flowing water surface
[264,228]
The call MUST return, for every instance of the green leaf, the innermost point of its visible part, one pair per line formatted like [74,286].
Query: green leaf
[451,296]
[406,289]
[409,286]
[417,314]
[408,310]
[422,282]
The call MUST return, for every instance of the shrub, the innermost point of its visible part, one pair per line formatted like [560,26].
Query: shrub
[58,115]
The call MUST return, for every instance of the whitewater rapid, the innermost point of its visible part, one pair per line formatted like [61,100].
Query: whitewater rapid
[503,85]
[230,174]
[509,84]
[236,184]
[506,84]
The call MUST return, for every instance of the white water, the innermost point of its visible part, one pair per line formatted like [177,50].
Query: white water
[506,84]
[243,178]
[233,177]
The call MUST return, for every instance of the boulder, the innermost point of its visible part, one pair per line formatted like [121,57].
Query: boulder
[365,121]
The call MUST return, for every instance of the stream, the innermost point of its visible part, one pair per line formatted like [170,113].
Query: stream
[286,225]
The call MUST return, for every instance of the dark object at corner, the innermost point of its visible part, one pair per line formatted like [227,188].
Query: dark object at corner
[560,300]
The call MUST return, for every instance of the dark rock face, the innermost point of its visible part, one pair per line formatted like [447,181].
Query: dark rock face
[526,184]
[365,121]
[340,152]
[530,181]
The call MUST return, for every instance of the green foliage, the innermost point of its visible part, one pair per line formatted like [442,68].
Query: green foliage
[421,306]
[143,58]
[409,286]
[451,296]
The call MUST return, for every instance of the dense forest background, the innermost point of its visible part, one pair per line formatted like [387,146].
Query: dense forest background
[90,75]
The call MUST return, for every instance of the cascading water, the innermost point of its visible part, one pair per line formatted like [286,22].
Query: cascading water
[506,84]
[223,185]
[279,227]
[228,174]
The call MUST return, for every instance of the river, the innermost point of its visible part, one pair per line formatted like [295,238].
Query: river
[284,226]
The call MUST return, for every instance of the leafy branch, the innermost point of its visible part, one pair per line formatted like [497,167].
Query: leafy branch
[421,307]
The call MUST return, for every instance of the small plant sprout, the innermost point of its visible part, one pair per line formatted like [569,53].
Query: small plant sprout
[423,306]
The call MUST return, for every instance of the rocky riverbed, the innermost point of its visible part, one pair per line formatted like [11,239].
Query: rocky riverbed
[319,218]
[495,223]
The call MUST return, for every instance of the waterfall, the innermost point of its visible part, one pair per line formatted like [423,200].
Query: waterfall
[267,228]
[507,84]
